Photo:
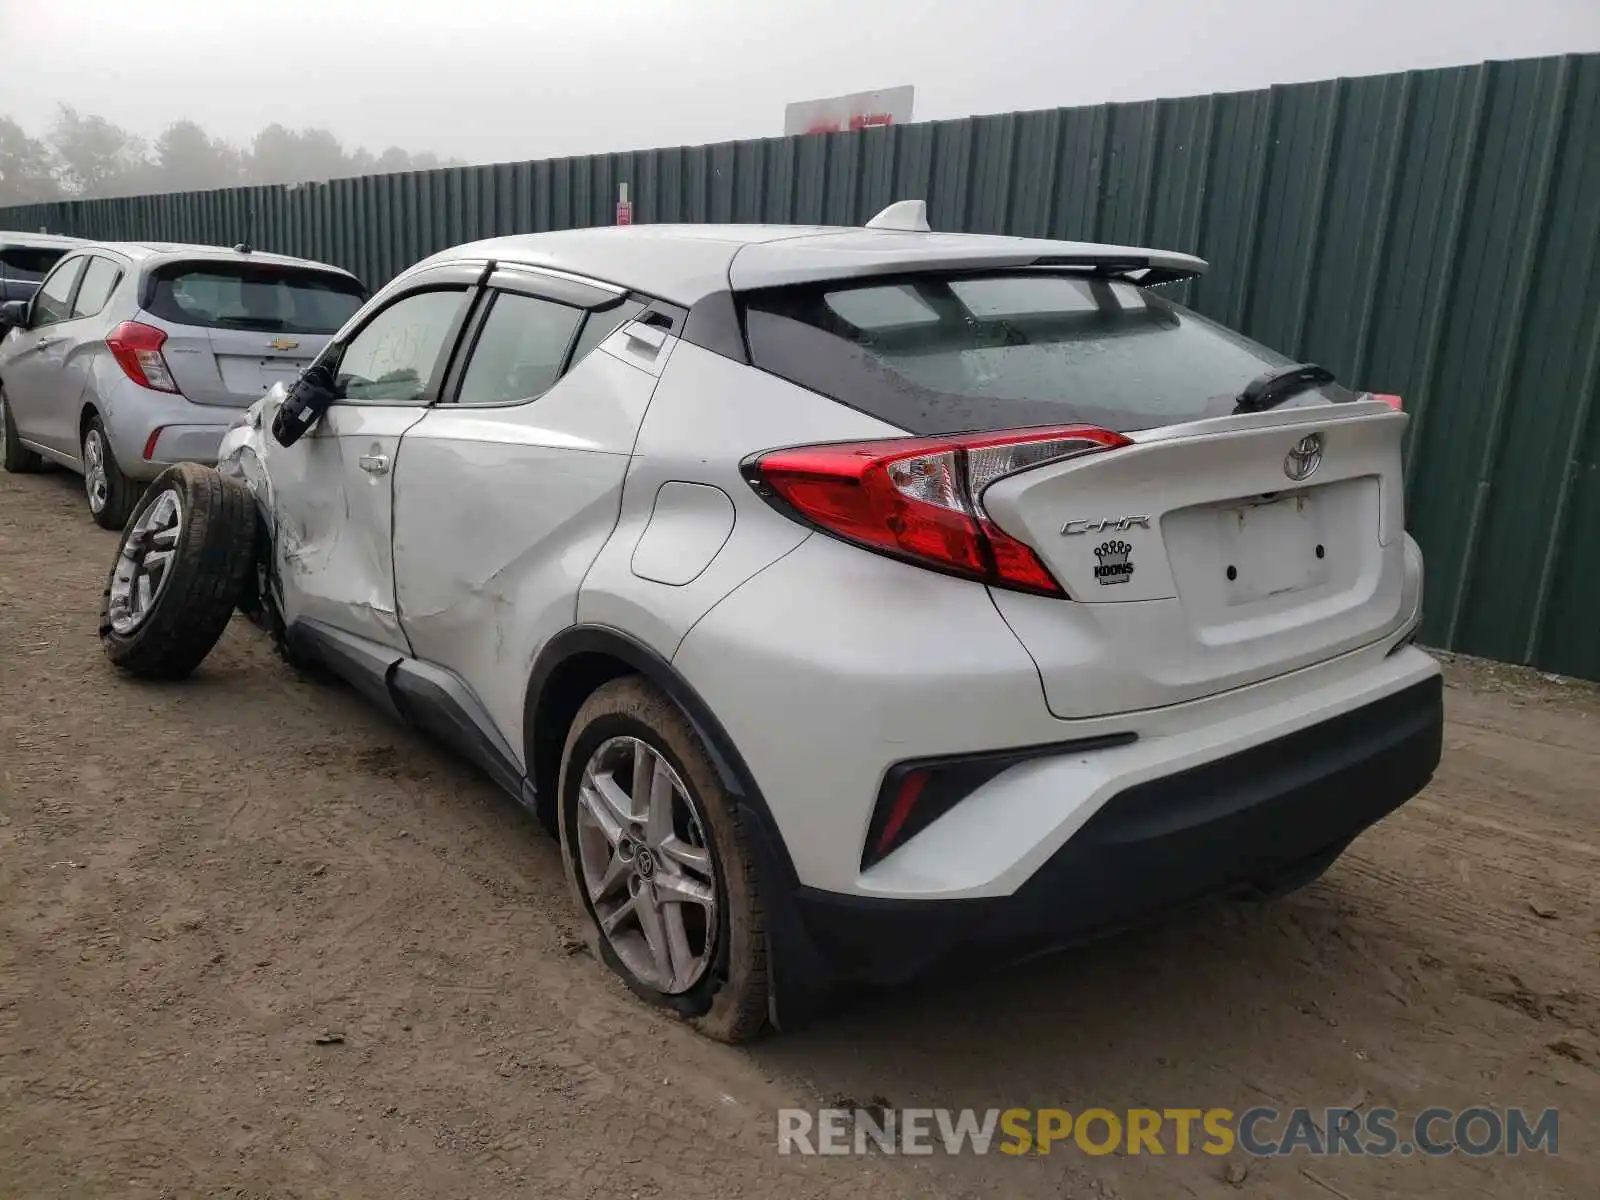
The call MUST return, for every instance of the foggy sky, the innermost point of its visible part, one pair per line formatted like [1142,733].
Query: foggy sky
[495,80]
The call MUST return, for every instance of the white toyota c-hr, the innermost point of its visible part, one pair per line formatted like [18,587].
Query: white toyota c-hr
[851,601]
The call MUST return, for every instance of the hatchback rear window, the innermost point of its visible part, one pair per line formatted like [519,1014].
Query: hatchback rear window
[937,354]
[29,262]
[257,297]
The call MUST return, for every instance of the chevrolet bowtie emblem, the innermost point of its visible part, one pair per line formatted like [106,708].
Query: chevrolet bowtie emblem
[284,344]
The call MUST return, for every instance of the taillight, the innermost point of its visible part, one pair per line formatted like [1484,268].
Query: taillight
[1392,401]
[137,349]
[918,499]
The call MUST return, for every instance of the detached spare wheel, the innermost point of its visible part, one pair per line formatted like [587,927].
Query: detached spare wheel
[181,567]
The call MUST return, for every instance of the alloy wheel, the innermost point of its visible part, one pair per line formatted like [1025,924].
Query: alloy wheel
[144,563]
[647,865]
[96,485]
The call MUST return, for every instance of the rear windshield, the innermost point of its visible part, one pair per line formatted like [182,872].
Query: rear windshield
[937,354]
[257,297]
[29,262]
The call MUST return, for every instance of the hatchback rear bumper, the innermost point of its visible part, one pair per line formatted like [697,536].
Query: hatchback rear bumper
[1263,819]
[183,431]
[184,443]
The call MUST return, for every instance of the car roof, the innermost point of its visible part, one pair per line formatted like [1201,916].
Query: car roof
[684,263]
[159,253]
[11,237]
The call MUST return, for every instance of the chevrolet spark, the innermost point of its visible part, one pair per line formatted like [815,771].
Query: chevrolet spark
[132,356]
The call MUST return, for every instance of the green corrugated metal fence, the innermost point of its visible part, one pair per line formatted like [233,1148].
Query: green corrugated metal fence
[1435,234]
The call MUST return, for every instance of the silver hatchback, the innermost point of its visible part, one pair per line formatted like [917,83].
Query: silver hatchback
[134,356]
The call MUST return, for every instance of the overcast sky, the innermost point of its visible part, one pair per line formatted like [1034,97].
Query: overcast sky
[493,80]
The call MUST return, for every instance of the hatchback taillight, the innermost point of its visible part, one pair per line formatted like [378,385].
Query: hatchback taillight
[917,499]
[137,349]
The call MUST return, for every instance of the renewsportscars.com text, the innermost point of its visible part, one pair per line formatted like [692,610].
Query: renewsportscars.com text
[1263,1132]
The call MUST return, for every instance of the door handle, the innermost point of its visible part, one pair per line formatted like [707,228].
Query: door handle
[375,464]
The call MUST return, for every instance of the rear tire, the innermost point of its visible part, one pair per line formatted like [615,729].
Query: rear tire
[191,539]
[716,974]
[111,494]
[17,458]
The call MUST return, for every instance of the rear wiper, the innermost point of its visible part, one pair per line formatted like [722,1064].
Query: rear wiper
[1274,387]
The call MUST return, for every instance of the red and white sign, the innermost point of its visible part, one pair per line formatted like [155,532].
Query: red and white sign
[860,110]
[624,206]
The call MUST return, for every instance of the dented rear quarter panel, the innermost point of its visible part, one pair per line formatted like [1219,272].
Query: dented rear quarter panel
[708,414]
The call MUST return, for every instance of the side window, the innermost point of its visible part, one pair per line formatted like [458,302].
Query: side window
[99,279]
[395,357]
[52,303]
[520,350]
[28,262]
[598,326]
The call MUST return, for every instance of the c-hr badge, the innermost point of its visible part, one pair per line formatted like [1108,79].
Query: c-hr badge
[1105,525]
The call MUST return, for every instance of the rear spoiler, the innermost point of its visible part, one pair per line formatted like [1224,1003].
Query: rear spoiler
[1144,267]
[1142,270]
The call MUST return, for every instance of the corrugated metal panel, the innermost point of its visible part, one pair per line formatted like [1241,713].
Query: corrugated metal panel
[1435,233]
[1532,585]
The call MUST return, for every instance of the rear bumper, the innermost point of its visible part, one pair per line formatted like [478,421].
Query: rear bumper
[185,443]
[1261,819]
[186,432]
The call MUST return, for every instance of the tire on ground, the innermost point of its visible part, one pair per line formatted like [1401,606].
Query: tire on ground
[122,493]
[729,1004]
[215,552]
[18,459]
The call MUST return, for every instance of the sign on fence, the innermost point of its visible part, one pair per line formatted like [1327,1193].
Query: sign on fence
[859,110]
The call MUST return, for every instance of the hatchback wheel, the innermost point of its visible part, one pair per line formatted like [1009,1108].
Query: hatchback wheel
[181,568]
[16,457]
[658,864]
[111,494]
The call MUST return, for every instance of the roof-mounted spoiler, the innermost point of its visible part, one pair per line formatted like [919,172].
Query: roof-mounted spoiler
[1144,269]
[1134,268]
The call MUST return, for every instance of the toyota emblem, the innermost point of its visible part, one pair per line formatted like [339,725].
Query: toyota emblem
[1304,458]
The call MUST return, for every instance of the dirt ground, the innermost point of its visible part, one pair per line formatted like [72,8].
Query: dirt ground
[256,941]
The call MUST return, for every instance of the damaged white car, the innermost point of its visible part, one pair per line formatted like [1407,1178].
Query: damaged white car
[850,602]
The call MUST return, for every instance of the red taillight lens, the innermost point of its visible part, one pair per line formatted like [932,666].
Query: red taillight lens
[917,498]
[137,349]
[1392,401]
